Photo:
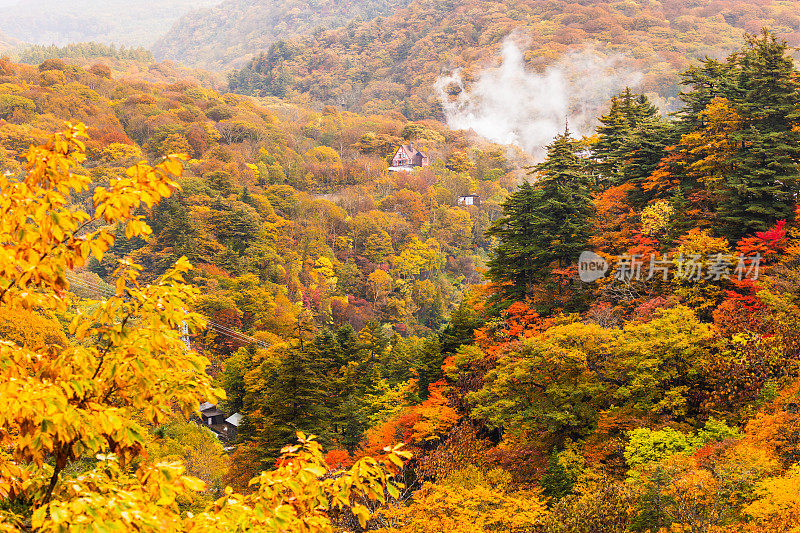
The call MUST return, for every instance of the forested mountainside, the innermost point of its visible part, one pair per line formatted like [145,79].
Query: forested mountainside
[604,341]
[392,62]
[120,62]
[78,52]
[49,22]
[228,34]
[312,184]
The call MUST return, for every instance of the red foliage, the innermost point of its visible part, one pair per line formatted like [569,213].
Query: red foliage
[709,455]
[197,137]
[108,134]
[643,245]
[607,444]
[767,243]
[740,312]
[243,466]
[646,311]
[406,423]
[745,294]
[231,319]
[528,464]
[564,276]
[358,312]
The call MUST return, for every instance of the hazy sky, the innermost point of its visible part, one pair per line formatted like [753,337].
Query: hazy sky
[129,22]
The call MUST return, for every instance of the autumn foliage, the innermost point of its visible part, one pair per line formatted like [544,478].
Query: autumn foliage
[373,310]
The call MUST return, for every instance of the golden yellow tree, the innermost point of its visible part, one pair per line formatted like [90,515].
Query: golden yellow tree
[438,507]
[778,505]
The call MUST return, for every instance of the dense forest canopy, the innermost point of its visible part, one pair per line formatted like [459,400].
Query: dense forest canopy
[392,62]
[229,33]
[602,339]
[36,54]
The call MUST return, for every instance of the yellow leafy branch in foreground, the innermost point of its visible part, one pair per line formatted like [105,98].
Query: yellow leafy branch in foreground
[125,367]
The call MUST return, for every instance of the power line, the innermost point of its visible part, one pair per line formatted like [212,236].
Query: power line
[219,328]
[238,335]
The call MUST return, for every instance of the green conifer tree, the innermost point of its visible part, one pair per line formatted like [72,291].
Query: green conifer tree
[460,330]
[429,363]
[542,224]
[761,84]
[764,185]
[704,82]
[607,151]
[644,147]
[287,394]
[631,124]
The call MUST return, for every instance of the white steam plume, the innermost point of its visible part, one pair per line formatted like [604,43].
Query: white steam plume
[512,105]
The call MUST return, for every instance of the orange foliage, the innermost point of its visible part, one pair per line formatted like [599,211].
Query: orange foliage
[663,182]
[617,223]
[436,414]
[338,459]
[777,428]
[399,428]
[212,270]
[521,320]
[736,314]
[643,245]
[413,426]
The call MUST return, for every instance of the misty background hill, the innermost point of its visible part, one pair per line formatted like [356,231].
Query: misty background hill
[394,62]
[233,31]
[7,43]
[132,23]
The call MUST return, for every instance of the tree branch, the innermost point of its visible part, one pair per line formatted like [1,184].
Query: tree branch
[591,365]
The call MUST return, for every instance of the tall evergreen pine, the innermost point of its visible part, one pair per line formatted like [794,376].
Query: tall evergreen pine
[761,84]
[543,224]
[645,146]
[764,185]
[706,82]
[289,396]
[631,124]
[608,151]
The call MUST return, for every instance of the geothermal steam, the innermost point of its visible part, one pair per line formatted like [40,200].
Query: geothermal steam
[512,105]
